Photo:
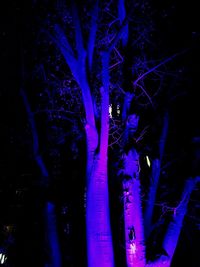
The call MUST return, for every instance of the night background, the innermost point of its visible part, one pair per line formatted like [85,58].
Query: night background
[29,63]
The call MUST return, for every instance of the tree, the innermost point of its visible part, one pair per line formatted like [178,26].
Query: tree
[109,65]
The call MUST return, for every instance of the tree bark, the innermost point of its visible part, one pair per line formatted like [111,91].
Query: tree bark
[99,238]
[133,221]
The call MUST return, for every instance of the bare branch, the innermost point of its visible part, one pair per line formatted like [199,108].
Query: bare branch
[118,35]
[143,132]
[135,83]
[145,92]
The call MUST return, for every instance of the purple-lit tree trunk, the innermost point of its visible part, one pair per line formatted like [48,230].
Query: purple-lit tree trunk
[99,238]
[138,226]
[49,208]
[132,203]
[98,231]
[133,221]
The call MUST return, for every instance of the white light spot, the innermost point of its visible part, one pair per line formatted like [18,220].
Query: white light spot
[118,109]
[110,110]
[2,258]
[148,161]
[133,248]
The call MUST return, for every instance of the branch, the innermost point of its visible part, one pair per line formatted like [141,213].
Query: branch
[155,177]
[127,103]
[77,68]
[61,41]
[92,35]
[78,31]
[145,92]
[122,15]
[31,119]
[116,140]
[135,83]
[118,35]
[174,228]
[142,133]
[118,62]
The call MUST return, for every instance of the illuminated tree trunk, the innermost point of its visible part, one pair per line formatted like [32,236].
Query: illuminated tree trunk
[98,231]
[133,221]
[99,238]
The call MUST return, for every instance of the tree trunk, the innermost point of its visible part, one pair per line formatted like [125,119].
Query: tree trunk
[151,197]
[99,238]
[155,177]
[133,221]
[174,229]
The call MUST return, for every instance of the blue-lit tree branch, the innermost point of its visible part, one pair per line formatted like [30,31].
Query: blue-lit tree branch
[92,34]
[118,36]
[78,32]
[155,177]
[78,67]
[62,42]
[31,119]
[135,83]
[174,228]
[122,16]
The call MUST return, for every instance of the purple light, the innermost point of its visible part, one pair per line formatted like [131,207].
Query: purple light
[99,238]
[133,221]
